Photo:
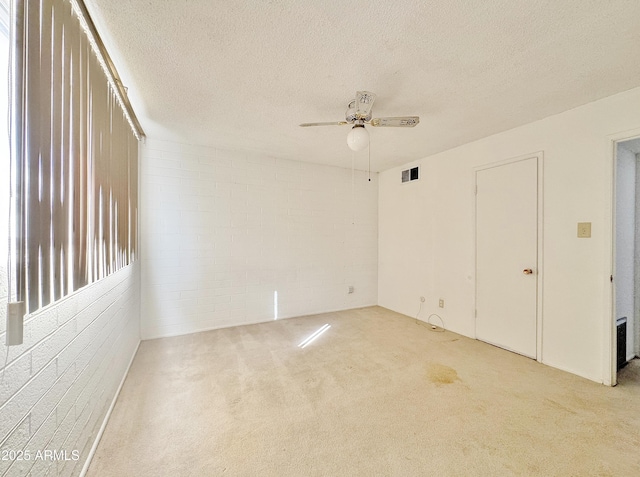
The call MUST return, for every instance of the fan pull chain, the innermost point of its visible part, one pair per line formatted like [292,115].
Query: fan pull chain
[353,196]
[369,147]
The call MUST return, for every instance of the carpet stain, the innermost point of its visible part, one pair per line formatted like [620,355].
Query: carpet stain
[441,374]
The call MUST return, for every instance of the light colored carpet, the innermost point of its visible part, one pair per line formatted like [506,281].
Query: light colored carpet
[375,395]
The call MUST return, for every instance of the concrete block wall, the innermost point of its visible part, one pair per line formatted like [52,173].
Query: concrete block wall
[230,238]
[58,385]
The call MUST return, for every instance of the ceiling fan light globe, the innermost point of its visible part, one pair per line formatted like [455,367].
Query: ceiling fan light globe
[358,138]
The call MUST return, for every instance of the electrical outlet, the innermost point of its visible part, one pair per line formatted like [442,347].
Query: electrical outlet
[350,289]
[441,303]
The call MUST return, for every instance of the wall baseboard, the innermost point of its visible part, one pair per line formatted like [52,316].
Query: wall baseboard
[87,463]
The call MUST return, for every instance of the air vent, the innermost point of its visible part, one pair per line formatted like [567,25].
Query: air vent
[410,175]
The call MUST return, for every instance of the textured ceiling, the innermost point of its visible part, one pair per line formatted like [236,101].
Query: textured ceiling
[243,74]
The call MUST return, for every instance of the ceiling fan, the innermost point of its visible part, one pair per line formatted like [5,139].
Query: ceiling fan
[359,113]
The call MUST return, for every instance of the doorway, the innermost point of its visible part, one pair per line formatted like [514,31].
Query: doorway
[626,273]
[507,254]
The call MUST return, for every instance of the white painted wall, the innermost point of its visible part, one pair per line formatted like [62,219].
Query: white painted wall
[625,240]
[56,387]
[59,384]
[426,230]
[223,231]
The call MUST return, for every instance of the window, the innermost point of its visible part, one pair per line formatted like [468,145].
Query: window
[74,156]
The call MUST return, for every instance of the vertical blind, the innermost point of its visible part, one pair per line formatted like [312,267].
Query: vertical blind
[74,155]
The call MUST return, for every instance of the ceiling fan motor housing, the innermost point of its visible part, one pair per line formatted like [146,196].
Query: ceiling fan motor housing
[351,116]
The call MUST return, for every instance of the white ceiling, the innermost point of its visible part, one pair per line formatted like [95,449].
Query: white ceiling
[243,74]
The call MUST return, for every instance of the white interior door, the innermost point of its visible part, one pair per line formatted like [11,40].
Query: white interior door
[506,255]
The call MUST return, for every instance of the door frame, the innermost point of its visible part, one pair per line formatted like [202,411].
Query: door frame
[539,156]
[610,365]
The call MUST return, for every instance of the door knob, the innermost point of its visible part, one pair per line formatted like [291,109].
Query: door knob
[527,271]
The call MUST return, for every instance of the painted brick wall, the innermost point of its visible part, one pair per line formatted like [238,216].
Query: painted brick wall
[231,238]
[59,384]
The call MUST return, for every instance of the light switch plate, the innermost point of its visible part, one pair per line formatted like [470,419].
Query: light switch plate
[15,323]
[584,229]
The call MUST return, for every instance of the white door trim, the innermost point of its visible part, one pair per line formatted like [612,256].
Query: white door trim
[539,156]
[609,348]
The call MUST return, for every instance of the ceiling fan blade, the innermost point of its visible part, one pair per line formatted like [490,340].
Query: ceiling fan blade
[339,123]
[399,122]
[364,103]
